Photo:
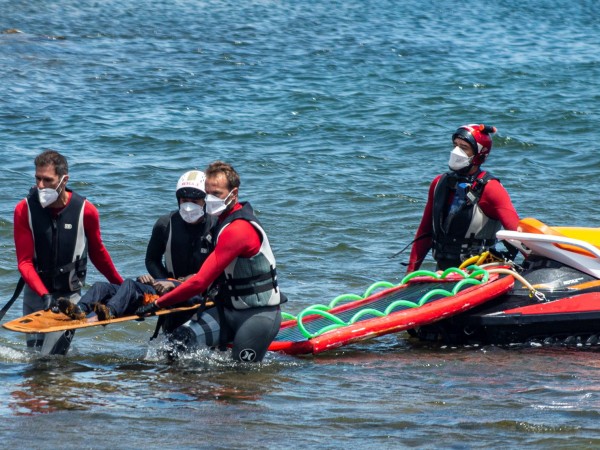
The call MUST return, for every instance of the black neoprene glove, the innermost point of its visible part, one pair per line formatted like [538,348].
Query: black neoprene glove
[147,310]
[49,301]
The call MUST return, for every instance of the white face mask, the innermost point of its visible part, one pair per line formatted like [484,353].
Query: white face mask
[191,212]
[48,196]
[215,205]
[459,159]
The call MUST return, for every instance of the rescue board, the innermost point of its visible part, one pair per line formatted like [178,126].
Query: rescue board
[420,301]
[48,321]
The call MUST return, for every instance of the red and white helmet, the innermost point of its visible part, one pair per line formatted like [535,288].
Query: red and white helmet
[191,185]
[478,136]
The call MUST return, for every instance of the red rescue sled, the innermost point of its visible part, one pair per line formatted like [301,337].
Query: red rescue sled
[420,301]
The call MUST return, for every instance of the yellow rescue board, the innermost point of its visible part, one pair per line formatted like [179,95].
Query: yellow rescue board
[48,321]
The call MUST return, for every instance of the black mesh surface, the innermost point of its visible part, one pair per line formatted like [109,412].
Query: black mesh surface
[412,293]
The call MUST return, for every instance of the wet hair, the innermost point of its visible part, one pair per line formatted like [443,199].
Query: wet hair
[217,167]
[51,157]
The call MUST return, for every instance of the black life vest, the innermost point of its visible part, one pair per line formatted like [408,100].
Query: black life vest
[249,282]
[461,230]
[60,243]
[187,245]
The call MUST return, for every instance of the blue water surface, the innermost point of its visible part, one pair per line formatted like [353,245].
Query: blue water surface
[337,115]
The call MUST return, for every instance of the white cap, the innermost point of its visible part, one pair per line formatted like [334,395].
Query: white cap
[191,185]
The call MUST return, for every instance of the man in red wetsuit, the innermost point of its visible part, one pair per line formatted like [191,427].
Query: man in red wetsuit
[243,268]
[465,207]
[55,230]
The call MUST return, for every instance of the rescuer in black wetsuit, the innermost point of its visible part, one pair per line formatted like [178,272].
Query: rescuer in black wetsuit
[180,242]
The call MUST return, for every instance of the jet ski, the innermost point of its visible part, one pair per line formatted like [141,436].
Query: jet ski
[555,298]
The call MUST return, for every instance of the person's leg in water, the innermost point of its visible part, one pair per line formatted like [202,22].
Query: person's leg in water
[32,303]
[255,329]
[201,331]
[56,343]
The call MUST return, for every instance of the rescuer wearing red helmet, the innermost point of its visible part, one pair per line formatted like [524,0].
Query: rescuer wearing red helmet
[465,207]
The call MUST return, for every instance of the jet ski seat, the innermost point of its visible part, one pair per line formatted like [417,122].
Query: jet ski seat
[589,235]
[575,247]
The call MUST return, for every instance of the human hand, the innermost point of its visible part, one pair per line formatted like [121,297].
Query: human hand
[146,279]
[162,287]
[147,310]
[49,301]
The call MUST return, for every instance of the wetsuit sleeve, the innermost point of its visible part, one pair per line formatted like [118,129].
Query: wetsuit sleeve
[25,249]
[496,204]
[96,250]
[157,247]
[239,238]
[423,238]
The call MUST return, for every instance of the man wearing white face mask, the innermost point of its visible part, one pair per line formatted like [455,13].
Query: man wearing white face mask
[55,230]
[465,207]
[180,242]
[243,268]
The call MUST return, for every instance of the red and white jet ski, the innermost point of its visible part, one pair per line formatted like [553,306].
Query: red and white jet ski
[555,298]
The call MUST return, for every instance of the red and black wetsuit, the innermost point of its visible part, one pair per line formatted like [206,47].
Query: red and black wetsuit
[239,239]
[52,246]
[25,243]
[494,203]
[249,330]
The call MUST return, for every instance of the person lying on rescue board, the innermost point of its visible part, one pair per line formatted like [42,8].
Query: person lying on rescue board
[181,241]
[109,300]
[465,206]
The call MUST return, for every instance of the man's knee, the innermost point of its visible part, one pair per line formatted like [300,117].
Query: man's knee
[254,336]
[200,331]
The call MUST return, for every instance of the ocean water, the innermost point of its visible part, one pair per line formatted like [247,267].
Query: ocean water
[337,115]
